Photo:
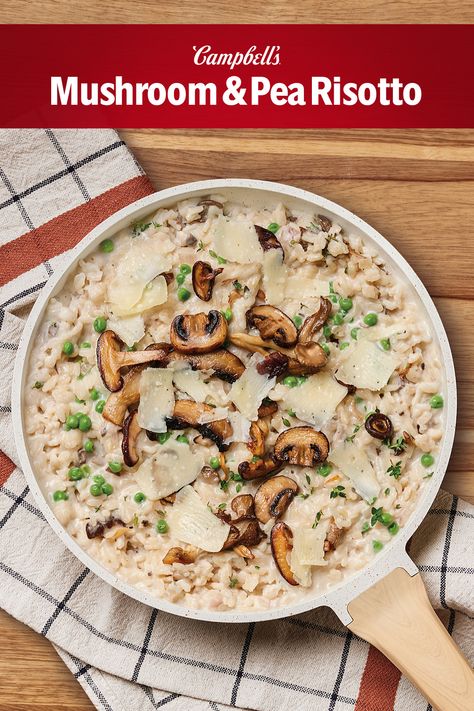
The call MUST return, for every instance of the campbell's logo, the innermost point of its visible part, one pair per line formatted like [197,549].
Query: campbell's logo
[270,56]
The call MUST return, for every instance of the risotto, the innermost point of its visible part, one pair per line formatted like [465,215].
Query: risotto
[233,407]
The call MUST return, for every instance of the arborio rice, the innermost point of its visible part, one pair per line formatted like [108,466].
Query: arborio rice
[346,491]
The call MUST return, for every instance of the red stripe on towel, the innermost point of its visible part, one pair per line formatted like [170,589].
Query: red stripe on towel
[6,468]
[66,230]
[379,683]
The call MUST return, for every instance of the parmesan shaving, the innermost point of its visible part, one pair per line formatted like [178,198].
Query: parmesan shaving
[218,413]
[142,262]
[237,241]
[173,466]
[154,294]
[355,465]
[308,545]
[130,329]
[191,382]
[303,574]
[249,390]
[191,522]
[313,401]
[156,399]
[367,366]
[274,276]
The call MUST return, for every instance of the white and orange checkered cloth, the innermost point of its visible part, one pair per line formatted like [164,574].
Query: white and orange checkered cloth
[54,187]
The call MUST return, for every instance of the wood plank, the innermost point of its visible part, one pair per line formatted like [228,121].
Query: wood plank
[212,11]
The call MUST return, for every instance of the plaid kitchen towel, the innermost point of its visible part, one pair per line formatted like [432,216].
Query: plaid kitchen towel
[54,187]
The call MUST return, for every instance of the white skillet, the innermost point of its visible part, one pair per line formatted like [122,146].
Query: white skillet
[385,603]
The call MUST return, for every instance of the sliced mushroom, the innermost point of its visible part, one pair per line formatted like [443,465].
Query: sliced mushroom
[226,365]
[256,443]
[244,552]
[131,429]
[243,506]
[273,497]
[316,321]
[204,277]
[258,468]
[273,365]
[110,358]
[168,277]
[273,324]
[281,540]
[187,413]
[379,426]
[181,555]
[267,408]
[198,333]
[308,358]
[245,532]
[333,536]
[98,529]
[267,239]
[304,446]
[325,223]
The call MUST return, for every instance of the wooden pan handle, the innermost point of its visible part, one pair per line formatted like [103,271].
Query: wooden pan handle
[396,616]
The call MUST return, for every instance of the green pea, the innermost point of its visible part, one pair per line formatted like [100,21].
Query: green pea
[326,331]
[72,422]
[161,526]
[68,348]
[427,460]
[290,381]
[437,402]
[297,320]
[107,488]
[100,406]
[273,227]
[345,303]
[89,446]
[214,463]
[344,345]
[324,469]
[139,497]
[107,246]
[377,546]
[181,278]
[99,479]
[100,324]
[60,496]
[227,314]
[115,467]
[394,528]
[94,394]
[354,332]
[338,319]
[386,518]
[85,344]
[96,489]
[164,437]
[300,379]
[325,348]
[185,269]
[86,469]
[370,319]
[85,423]
[183,294]
[385,343]
[75,474]
[183,439]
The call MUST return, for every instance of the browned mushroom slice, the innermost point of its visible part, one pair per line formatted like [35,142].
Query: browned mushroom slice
[245,532]
[198,333]
[379,426]
[273,365]
[98,529]
[273,325]
[273,497]
[226,365]
[131,429]
[187,413]
[168,277]
[281,540]
[204,277]
[180,555]
[301,445]
[244,552]
[308,358]
[256,443]
[316,321]
[110,359]
[325,223]
[267,239]
[258,467]
[243,506]
[267,408]
[333,536]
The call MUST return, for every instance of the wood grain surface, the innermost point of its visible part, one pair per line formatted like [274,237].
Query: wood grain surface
[415,187]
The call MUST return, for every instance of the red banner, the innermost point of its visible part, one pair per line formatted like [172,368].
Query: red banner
[237,76]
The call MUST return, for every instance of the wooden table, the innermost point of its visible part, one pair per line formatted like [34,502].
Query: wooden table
[415,187]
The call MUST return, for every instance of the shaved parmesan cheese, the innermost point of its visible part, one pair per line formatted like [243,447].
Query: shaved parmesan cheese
[191,522]
[315,400]
[249,390]
[274,276]
[173,466]
[130,329]
[156,399]
[191,382]
[237,241]
[308,545]
[141,263]
[367,366]
[155,293]
[302,288]
[355,465]
[303,574]
[240,428]
[218,413]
